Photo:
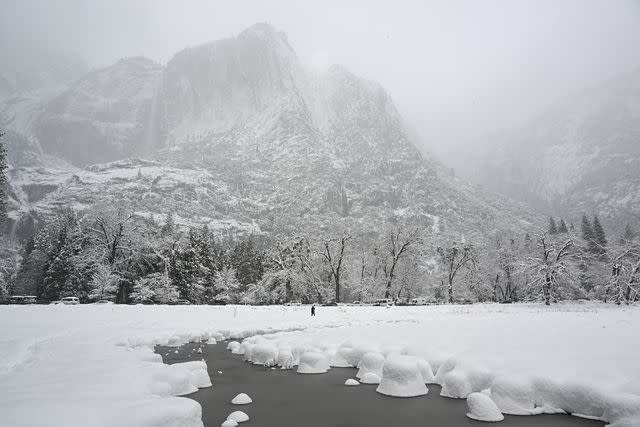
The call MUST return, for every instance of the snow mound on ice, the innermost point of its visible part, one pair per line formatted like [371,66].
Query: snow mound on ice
[370,378]
[242,399]
[482,408]
[313,363]
[351,382]
[265,353]
[179,379]
[238,416]
[340,359]
[461,382]
[229,423]
[401,377]
[246,348]
[357,352]
[285,358]
[514,396]
[371,363]
[234,346]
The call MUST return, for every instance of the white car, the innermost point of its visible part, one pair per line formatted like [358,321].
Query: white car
[70,300]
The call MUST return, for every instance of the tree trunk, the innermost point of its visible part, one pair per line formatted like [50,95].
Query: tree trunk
[546,290]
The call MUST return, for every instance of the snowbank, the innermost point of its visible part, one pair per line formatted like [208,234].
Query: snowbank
[578,358]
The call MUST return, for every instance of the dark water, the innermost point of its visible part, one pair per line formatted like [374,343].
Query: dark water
[284,398]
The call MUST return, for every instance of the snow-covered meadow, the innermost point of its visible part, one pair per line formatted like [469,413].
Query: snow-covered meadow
[94,365]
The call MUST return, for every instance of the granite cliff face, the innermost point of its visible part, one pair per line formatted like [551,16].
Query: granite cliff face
[238,135]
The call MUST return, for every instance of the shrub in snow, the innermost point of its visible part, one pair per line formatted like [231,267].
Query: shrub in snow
[242,399]
[370,378]
[313,363]
[229,423]
[514,396]
[233,346]
[371,363]
[401,377]
[351,382]
[482,408]
[285,359]
[238,416]
[264,354]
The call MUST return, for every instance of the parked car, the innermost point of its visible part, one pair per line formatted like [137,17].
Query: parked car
[70,301]
[418,301]
[183,302]
[383,302]
[22,299]
[293,304]
[218,302]
[103,301]
[330,304]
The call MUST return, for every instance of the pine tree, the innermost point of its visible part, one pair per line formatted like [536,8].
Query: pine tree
[562,228]
[587,234]
[553,228]
[629,235]
[3,181]
[599,235]
[169,226]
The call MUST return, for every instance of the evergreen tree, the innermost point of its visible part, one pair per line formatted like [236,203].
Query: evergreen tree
[629,235]
[599,235]
[3,181]
[553,228]
[169,226]
[562,228]
[587,234]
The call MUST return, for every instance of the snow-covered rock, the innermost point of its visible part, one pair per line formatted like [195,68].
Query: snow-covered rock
[234,346]
[401,377]
[238,416]
[351,382]
[229,423]
[242,399]
[482,408]
[313,363]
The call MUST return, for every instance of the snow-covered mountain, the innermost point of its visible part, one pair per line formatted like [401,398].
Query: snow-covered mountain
[238,135]
[583,155]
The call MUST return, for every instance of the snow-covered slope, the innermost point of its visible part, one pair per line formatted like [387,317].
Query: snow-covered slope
[583,155]
[242,134]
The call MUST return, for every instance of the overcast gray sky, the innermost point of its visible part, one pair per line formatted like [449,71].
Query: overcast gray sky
[456,68]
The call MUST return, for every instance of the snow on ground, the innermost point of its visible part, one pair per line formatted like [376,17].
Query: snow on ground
[94,365]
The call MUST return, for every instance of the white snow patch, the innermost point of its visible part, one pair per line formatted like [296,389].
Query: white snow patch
[242,399]
[482,408]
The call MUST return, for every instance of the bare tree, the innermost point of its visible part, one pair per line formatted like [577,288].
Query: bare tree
[549,265]
[398,243]
[454,259]
[333,255]
[625,269]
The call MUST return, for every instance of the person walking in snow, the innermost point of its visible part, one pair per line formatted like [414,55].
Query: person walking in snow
[313,310]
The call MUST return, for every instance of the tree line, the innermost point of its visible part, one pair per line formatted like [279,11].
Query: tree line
[107,253]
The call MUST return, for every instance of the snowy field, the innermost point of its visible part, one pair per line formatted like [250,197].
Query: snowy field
[95,366]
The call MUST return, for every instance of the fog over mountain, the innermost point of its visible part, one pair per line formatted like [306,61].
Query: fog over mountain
[456,70]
